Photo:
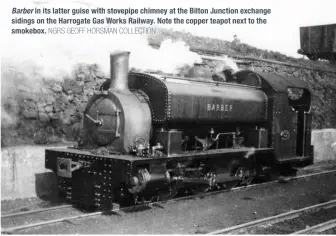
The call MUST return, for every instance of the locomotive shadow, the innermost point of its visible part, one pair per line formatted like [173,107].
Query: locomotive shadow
[46,187]
[110,213]
[137,208]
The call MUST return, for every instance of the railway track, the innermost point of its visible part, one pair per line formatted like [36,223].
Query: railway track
[15,224]
[320,228]
[4,216]
[282,217]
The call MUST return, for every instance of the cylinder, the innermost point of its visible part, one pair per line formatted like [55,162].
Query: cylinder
[119,65]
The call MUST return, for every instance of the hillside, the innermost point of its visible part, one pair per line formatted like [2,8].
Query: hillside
[217,46]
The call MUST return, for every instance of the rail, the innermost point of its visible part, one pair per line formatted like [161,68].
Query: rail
[320,228]
[276,218]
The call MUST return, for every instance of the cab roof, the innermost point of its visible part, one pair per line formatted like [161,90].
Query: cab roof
[281,83]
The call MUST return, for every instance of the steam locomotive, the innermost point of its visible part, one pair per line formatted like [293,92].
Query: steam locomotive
[149,136]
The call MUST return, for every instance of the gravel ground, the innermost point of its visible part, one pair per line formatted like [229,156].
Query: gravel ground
[296,224]
[27,204]
[199,216]
[21,204]
[331,231]
[39,217]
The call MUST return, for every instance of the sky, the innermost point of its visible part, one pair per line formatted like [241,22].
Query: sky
[281,33]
